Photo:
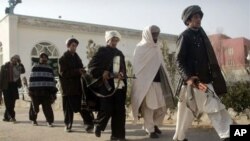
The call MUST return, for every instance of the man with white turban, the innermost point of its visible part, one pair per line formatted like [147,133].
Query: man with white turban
[108,65]
[151,90]
[201,76]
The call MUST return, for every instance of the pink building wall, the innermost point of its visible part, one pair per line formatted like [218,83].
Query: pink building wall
[230,53]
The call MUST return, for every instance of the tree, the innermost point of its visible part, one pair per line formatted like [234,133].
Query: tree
[91,49]
[169,59]
[238,96]
[129,70]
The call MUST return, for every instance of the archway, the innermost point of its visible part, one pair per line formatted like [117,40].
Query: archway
[49,49]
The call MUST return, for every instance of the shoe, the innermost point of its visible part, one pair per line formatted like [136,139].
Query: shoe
[13,120]
[6,120]
[182,140]
[97,132]
[89,128]
[34,123]
[153,135]
[112,138]
[226,139]
[157,130]
[49,124]
[67,129]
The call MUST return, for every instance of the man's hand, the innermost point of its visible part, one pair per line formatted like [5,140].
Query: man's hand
[202,87]
[192,80]
[121,76]
[82,71]
[105,75]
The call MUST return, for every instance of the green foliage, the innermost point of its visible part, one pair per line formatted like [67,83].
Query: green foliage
[129,82]
[170,64]
[238,96]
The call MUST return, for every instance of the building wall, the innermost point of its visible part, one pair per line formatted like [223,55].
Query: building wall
[22,33]
[231,55]
[4,38]
[28,38]
[235,52]
[216,41]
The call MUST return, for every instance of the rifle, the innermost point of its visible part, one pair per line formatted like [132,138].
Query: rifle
[93,83]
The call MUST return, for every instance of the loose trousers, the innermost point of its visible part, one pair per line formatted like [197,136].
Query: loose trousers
[152,117]
[220,118]
[153,107]
[10,96]
[71,105]
[113,107]
[46,106]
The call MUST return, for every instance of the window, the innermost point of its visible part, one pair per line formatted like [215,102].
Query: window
[230,51]
[49,49]
[230,62]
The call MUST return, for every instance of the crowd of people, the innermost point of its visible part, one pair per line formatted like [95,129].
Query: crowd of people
[152,92]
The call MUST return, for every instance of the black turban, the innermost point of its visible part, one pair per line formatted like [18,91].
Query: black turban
[190,11]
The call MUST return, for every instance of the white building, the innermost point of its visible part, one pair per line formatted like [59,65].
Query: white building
[28,36]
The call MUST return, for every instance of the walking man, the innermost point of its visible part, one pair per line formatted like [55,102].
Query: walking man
[108,64]
[70,71]
[9,83]
[201,76]
[42,90]
[151,90]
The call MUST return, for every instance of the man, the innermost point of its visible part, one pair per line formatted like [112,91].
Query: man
[200,72]
[108,64]
[70,71]
[42,90]
[9,83]
[151,87]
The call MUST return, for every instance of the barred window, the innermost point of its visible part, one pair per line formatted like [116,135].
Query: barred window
[50,50]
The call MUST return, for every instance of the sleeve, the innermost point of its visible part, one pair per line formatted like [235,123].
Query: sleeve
[182,57]
[66,71]
[97,65]
[21,68]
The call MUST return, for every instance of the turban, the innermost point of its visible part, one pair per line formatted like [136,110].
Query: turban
[16,57]
[190,11]
[111,34]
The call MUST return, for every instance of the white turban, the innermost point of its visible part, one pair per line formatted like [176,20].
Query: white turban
[111,34]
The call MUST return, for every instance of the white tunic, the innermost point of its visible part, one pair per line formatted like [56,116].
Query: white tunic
[154,98]
[147,60]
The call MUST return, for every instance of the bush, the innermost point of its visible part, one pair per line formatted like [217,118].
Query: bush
[238,96]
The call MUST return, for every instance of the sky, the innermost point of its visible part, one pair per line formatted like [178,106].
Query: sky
[229,17]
